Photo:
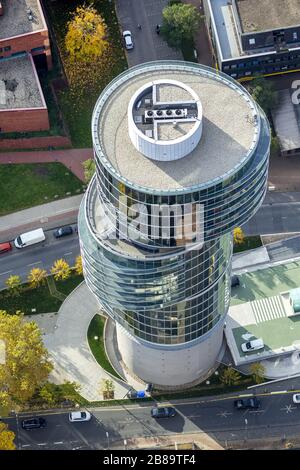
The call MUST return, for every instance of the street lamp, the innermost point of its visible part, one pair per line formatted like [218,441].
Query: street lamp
[246,428]
[125,444]
[107,435]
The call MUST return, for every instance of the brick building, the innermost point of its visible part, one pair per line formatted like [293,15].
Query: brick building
[24,45]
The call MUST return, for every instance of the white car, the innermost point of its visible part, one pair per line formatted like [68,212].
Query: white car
[296,398]
[128,40]
[78,416]
[253,345]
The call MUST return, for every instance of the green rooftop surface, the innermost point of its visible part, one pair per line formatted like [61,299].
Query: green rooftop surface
[277,333]
[266,283]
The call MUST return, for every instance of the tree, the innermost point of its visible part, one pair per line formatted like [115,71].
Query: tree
[6,438]
[238,236]
[257,371]
[27,363]
[61,270]
[180,22]
[262,90]
[86,36]
[54,394]
[89,168]
[37,277]
[230,376]
[78,265]
[13,283]
[107,388]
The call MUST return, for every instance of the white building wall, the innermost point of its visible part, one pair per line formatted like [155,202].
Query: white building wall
[168,366]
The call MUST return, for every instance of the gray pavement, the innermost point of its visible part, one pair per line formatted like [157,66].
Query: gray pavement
[148,45]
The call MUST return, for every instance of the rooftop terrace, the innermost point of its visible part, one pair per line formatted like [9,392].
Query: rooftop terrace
[230,128]
[19,86]
[268,14]
[20,17]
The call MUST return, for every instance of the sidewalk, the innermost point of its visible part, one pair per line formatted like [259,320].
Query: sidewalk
[69,349]
[46,216]
[71,158]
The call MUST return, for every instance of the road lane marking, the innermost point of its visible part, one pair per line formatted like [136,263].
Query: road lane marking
[256,411]
[26,445]
[69,253]
[224,414]
[6,272]
[59,442]
[33,264]
[288,408]
[276,393]
[42,444]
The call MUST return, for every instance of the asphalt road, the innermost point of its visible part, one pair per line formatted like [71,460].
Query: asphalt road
[277,417]
[42,255]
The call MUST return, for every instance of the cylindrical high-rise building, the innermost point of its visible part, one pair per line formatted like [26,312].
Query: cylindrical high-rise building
[170,134]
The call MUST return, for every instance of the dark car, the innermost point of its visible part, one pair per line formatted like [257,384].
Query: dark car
[63,231]
[163,412]
[33,423]
[4,247]
[235,282]
[250,403]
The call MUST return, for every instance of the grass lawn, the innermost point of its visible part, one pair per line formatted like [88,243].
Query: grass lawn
[27,185]
[39,298]
[249,244]
[96,328]
[85,82]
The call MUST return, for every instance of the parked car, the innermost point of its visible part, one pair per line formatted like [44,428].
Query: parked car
[34,423]
[253,345]
[79,416]
[163,412]
[249,403]
[132,394]
[4,247]
[63,231]
[235,282]
[127,37]
[296,398]
[30,238]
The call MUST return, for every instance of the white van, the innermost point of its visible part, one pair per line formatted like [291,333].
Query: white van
[30,238]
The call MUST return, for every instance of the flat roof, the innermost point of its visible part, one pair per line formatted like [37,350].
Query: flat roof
[19,86]
[20,17]
[228,131]
[268,14]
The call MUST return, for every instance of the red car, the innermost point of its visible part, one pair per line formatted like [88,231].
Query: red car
[4,247]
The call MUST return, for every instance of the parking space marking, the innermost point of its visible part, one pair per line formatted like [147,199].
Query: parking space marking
[6,272]
[224,414]
[288,408]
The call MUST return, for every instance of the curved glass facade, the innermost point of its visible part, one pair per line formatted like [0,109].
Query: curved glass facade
[160,290]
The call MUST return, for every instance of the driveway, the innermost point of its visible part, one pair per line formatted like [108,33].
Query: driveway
[148,44]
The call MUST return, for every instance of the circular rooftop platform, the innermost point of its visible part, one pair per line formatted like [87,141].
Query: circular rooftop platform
[230,126]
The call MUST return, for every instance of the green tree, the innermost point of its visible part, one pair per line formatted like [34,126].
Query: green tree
[238,236]
[61,270]
[257,371]
[262,90]
[107,388]
[37,277]
[86,38]
[230,376]
[89,168]
[180,22]
[27,364]
[13,283]
[6,438]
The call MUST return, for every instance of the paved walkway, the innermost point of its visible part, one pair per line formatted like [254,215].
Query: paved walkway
[46,216]
[69,349]
[71,158]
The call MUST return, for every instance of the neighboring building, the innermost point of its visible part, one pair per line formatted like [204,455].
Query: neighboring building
[253,38]
[267,305]
[22,104]
[24,45]
[286,119]
[23,29]
[168,133]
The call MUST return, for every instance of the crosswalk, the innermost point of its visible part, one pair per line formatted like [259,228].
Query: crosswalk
[268,309]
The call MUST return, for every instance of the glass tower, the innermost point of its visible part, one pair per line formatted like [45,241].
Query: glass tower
[167,136]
